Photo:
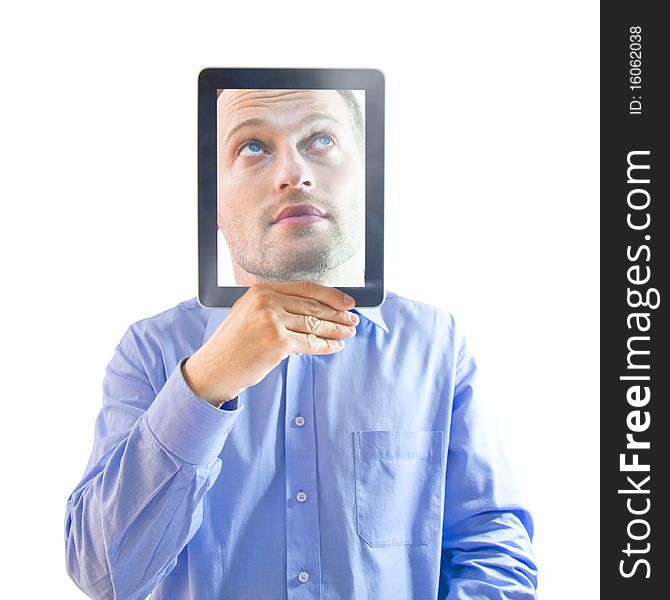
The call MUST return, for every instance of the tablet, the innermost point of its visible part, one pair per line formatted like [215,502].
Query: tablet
[290,181]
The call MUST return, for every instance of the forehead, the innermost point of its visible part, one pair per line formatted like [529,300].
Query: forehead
[278,108]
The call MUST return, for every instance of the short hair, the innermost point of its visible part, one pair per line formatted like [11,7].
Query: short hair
[357,121]
[356,118]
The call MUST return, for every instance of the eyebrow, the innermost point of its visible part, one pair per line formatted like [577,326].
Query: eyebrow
[256,122]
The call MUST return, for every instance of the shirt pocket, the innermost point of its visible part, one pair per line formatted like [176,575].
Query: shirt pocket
[399,486]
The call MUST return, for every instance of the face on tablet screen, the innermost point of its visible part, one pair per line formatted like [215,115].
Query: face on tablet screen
[290,186]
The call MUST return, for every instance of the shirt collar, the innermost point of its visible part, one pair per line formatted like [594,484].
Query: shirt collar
[217,315]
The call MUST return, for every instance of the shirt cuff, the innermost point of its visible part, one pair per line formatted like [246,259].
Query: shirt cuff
[186,424]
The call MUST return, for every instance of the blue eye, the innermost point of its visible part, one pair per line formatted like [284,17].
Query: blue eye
[324,141]
[254,148]
[325,137]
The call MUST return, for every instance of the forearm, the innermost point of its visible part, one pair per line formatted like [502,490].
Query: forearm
[140,501]
[126,526]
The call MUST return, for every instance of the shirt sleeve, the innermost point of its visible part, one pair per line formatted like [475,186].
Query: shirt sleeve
[155,456]
[487,534]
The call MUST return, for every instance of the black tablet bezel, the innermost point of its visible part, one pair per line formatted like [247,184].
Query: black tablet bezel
[370,80]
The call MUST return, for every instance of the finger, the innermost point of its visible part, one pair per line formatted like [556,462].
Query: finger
[319,327]
[312,344]
[308,289]
[314,308]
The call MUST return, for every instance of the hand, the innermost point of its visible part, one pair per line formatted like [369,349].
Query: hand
[265,325]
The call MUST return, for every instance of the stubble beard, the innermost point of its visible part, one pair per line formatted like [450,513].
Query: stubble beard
[312,261]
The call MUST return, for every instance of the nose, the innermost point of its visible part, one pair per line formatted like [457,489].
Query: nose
[293,171]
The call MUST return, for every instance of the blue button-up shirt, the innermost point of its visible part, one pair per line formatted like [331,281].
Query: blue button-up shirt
[368,473]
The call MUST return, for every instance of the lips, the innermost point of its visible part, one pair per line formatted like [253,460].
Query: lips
[299,210]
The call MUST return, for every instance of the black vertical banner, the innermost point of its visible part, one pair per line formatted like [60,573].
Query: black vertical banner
[635,340]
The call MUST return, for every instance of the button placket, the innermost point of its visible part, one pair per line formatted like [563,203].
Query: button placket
[303,560]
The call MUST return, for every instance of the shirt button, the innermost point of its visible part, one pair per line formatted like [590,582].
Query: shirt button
[303,576]
[300,421]
[301,497]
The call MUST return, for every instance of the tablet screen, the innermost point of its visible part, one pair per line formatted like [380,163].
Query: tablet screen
[290,186]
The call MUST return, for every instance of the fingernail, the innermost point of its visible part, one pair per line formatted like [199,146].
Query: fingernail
[349,300]
[353,317]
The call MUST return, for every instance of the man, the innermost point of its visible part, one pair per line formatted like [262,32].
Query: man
[294,446]
[266,139]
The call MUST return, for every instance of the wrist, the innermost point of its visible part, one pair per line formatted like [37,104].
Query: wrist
[194,380]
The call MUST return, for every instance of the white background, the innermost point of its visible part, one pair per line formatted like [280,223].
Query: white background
[492,206]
